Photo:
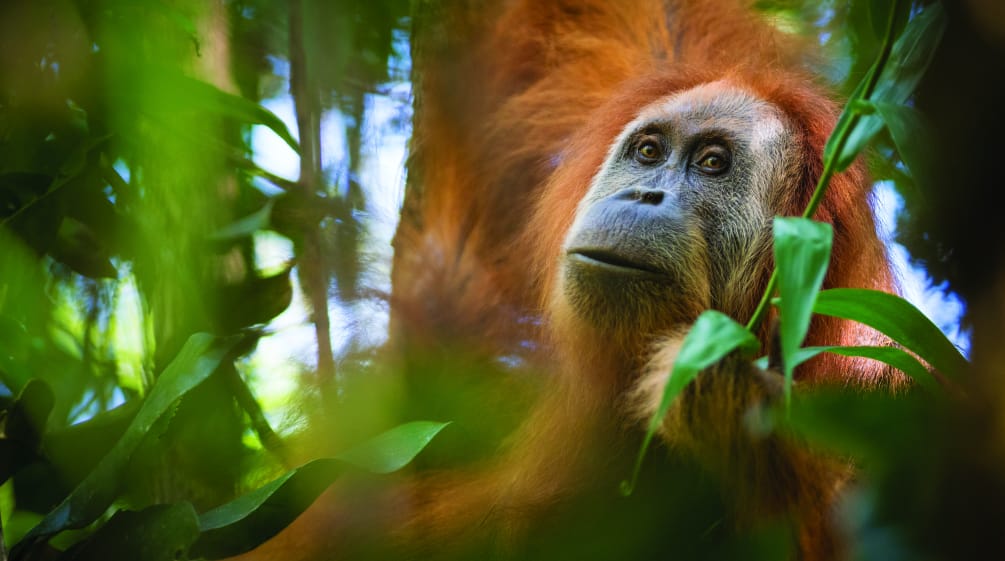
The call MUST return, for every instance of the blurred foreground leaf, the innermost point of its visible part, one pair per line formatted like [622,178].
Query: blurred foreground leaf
[236,107]
[251,519]
[198,359]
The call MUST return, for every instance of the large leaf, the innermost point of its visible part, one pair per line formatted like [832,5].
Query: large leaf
[393,449]
[198,359]
[909,59]
[802,252]
[249,520]
[898,319]
[713,336]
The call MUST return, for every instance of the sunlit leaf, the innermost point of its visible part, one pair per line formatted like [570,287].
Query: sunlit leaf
[713,336]
[198,359]
[802,252]
[898,319]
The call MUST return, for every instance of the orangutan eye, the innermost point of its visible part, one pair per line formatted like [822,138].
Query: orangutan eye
[712,160]
[648,151]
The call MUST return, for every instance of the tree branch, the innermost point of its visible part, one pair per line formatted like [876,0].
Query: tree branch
[307,102]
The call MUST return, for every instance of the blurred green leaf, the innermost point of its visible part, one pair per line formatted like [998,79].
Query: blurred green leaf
[236,107]
[256,300]
[898,319]
[802,252]
[199,357]
[253,518]
[713,336]
[249,520]
[244,227]
[157,533]
[392,450]
[910,136]
[868,426]
[76,449]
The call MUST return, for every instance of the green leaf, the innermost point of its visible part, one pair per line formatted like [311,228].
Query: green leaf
[199,357]
[392,450]
[909,59]
[253,518]
[235,107]
[255,300]
[893,356]
[713,336]
[244,227]
[802,252]
[911,55]
[898,319]
[249,520]
[78,448]
[910,136]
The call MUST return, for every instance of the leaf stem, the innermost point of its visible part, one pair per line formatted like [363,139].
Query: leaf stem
[841,135]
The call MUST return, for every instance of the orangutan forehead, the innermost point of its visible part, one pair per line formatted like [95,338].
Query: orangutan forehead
[716,105]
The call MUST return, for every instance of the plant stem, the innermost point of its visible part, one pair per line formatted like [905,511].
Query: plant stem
[841,134]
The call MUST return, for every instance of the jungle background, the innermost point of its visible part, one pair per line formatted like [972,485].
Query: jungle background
[196,206]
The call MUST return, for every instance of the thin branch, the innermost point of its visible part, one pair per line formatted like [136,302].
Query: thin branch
[307,102]
[246,400]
